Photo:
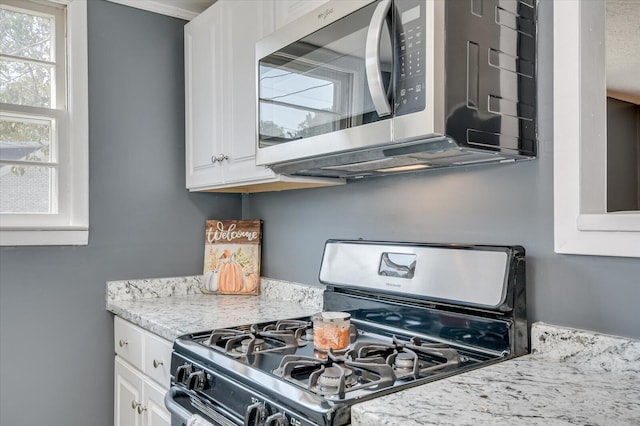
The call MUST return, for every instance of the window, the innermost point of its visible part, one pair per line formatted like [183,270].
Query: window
[43,123]
[583,224]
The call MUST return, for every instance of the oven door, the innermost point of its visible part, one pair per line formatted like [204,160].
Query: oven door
[183,406]
[325,82]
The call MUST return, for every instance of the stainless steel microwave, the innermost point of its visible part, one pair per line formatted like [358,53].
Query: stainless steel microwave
[361,88]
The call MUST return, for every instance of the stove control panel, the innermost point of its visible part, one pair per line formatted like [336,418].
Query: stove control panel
[221,396]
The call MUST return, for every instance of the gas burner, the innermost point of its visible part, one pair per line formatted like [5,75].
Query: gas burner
[258,345]
[308,335]
[330,377]
[404,361]
[228,340]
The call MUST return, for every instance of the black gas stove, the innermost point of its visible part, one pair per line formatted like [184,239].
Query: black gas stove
[418,313]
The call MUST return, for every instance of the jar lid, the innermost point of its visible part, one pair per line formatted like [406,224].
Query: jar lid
[331,316]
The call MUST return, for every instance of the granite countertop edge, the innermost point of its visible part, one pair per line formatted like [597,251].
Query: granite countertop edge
[170,307]
[571,377]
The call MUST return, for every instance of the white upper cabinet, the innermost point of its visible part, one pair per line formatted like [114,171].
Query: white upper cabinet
[220,96]
[288,10]
[203,100]
[238,92]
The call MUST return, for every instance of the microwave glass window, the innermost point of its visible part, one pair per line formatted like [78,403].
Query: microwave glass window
[318,84]
[295,105]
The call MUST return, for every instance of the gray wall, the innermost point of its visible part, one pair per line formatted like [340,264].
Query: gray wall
[509,204]
[56,338]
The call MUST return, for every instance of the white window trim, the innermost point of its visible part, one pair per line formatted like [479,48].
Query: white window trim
[582,224]
[73,227]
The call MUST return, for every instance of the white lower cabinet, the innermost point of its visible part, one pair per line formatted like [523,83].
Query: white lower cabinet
[141,376]
[138,401]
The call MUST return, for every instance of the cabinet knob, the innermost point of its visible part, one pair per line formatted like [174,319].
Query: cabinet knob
[157,363]
[141,408]
[135,404]
[220,158]
[123,343]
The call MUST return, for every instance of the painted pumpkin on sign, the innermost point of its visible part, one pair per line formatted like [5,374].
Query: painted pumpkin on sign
[250,283]
[230,280]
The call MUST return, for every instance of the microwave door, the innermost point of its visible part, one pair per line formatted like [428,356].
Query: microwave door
[314,95]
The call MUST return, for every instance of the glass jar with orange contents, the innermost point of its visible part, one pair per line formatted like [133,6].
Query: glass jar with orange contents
[331,330]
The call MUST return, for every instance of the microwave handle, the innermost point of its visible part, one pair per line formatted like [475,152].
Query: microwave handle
[372,59]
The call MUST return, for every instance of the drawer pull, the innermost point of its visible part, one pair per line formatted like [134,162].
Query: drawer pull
[123,343]
[157,363]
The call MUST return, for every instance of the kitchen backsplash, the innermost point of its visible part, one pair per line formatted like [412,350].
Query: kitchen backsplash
[586,348]
[182,286]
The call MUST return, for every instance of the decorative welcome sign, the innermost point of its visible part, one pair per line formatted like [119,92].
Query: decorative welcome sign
[232,256]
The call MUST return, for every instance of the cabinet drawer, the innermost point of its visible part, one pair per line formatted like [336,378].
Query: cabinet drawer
[157,359]
[128,341]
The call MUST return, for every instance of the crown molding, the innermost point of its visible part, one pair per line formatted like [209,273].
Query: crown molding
[159,7]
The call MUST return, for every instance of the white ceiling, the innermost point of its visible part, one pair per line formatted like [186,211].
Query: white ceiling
[623,38]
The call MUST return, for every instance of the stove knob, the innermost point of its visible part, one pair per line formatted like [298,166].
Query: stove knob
[183,372]
[277,419]
[255,414]
[197,381]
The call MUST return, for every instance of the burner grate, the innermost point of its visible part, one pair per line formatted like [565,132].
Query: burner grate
[334,375]
[249,341]
[368,366]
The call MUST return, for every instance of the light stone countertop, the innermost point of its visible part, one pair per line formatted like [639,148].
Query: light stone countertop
[170,307]
[572,377]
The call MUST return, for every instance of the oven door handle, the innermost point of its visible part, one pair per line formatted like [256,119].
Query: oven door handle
[372,59]
[174,408]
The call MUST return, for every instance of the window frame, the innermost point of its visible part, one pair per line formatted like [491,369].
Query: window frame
[582,224]
[70,225]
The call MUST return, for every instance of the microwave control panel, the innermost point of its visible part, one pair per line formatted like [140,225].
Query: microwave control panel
[410,48]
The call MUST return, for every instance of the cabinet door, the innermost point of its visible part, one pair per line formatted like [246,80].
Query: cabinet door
[128,341]
[157,359]
[127,394]
[203,100]
[288,10]
[244,23]
[155,412]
